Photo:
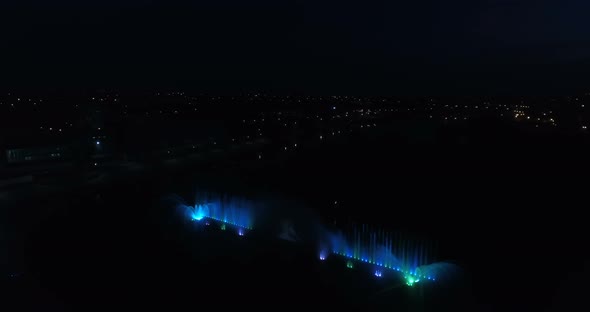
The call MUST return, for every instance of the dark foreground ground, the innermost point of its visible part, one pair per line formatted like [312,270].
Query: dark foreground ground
[509,207]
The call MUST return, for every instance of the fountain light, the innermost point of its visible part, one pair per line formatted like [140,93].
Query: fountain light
[411,280]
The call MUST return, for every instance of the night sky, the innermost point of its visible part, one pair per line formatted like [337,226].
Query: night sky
[333,47]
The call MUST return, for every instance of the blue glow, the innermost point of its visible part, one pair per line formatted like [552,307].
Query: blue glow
[198,216]
[385,250]
[361,245]
[232,212]
[97,142]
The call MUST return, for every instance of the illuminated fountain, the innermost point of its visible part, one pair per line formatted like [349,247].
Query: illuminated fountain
[384,251]
[385,254]
[233,212]
[349,264]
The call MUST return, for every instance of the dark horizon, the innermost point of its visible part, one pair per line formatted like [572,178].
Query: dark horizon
[377,48]
[77,91]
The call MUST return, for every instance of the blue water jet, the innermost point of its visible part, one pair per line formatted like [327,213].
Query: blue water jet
[384,250]
[232,211]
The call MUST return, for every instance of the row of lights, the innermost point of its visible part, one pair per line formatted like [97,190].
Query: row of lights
[410,277]
[223,226]
[228,222]
[405,272]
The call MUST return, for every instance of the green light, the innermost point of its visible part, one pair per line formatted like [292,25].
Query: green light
[410,280]
[349,264]
[223,226]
